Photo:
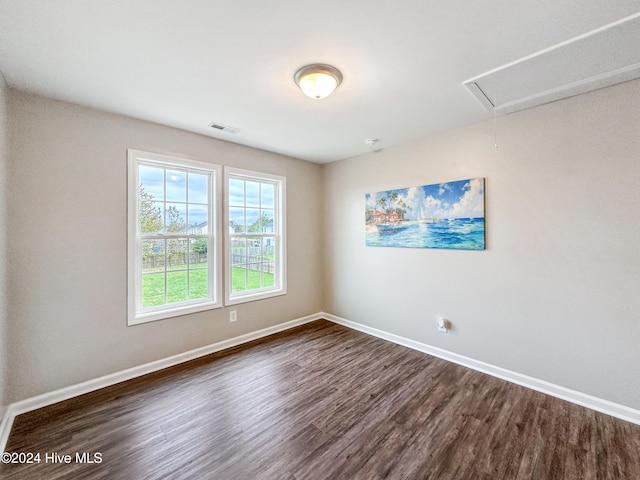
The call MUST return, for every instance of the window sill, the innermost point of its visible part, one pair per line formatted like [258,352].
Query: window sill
[172,312]
[251,297]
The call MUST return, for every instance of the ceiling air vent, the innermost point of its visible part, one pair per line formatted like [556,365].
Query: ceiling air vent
[224,128]
[599,58]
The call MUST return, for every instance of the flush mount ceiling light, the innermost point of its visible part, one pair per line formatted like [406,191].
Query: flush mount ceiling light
[318,80]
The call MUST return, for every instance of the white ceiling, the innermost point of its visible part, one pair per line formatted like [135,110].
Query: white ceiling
[187,63]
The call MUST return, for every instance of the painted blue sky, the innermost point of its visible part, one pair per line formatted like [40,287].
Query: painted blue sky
[459,199]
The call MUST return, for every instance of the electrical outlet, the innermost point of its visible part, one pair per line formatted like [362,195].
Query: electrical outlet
[443,324]
[233,315]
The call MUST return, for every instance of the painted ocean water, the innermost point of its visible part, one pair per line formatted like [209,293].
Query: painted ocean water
[457,233]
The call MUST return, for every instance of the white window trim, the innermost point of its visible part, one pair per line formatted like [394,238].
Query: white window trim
[280,209]
[134,314]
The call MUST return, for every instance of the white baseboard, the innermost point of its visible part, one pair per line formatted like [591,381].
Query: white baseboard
[33,403]
[604,406]
[594,403]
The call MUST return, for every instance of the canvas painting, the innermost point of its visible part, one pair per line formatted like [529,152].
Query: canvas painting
[444,215]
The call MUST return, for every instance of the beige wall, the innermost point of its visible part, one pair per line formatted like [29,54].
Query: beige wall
[4,162]
[68,265]
[556,295]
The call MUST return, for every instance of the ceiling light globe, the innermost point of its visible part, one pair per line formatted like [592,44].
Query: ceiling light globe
[318,81]
[318,85]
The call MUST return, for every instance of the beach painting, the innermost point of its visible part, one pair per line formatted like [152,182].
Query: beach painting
[442,215]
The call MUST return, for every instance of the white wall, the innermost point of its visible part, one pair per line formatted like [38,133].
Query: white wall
[68,269]
[556,295]
[4,163]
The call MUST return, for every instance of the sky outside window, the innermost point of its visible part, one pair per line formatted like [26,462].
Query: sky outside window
[178,193]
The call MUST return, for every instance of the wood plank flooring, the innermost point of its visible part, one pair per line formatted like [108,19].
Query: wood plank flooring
[323,402]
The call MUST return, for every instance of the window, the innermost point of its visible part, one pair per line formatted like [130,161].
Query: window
[255,222]
[172,252]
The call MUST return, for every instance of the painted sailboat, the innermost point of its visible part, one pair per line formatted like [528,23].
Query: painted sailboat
[422,218]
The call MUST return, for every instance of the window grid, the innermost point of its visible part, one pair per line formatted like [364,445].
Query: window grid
[252,237]
[166,237]
[255,265]
[173,259]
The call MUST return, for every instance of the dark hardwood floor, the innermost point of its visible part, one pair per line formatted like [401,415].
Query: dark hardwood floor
[322,402]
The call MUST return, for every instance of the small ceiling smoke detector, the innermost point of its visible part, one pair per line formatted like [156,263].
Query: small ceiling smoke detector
[370,142]
[318,80]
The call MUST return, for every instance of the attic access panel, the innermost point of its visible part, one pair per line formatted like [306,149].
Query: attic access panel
[600,58]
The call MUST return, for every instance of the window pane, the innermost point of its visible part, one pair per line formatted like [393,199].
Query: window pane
[236,220]
[253,194]
[238,263]
[198,275]
[198,284]
[176,186]
[198,253]
[254,277]
[152,182]
[238,279]
[236,192]
[150,215]
[268,261]
[238,252]
[254,259]
[253,220]
[152,256]
[198,188]
[268,278]
[177,254]
[267,221]
[198,218]
[269,247]
[153,290]
[176,287]
[175,218]
[267,196]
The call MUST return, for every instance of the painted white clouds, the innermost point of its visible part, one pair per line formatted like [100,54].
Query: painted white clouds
[460,199]
[472,202]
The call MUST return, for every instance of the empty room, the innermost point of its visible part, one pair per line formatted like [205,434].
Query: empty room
[300,240]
